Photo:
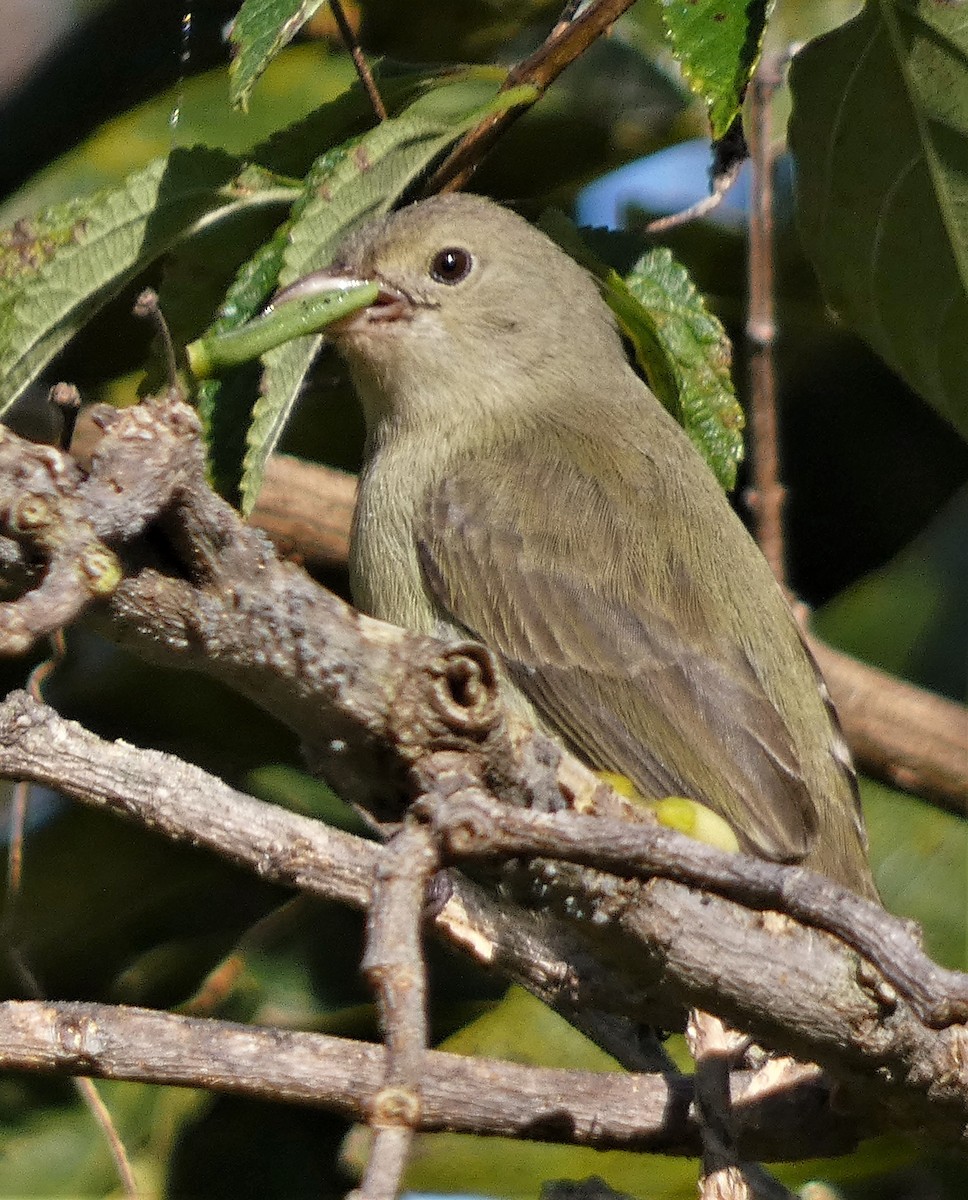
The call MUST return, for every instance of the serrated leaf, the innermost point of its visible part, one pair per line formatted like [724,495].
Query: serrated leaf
[356,181]
[717,43]
[294,149]
[59,268]
[686,354]
[880,137]
[225,404]
[260,30]
[680,346]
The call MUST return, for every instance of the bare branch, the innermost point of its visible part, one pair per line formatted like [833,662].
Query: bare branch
[475,1095]
[363,71]
[567,41]
[789,986]
[394,966]
[765,497]
[185,804]
[473,826]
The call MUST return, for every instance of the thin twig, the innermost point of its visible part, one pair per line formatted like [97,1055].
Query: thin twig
[765,496]
[99,1111]
[567,15]
[729,153]
[724,1173]
[147,306]
[567,41]
[359,59]
[67,400]
[394,966]
[721,1175]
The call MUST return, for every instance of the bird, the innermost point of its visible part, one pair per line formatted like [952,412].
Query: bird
[522,486]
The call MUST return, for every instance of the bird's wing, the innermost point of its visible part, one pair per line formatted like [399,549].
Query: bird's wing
[603,662]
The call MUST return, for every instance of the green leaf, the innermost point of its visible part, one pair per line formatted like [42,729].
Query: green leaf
[880,135]
[59,268]
[717,43]
[356,181]
[684,351]
[261,29]
[680,346]
[303,82]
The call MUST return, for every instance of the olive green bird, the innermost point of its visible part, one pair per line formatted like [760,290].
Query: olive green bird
[523,486]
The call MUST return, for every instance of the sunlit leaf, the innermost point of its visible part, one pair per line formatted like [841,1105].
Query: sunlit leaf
[261,29]
[59,268]
[717,43]
[686,355]
[680,346]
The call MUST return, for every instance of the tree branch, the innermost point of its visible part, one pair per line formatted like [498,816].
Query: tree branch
[649,1113]
[789,986]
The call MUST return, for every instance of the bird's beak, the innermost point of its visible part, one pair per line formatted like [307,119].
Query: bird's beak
[391,304]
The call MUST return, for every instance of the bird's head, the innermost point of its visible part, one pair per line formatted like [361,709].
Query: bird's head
[478,312]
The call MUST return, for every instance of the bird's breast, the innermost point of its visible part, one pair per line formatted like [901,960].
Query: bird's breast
[385,574]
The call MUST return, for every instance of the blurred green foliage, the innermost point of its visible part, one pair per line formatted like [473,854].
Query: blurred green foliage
[878,531]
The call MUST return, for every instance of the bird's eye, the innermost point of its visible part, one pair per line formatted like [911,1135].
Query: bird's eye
[451,265]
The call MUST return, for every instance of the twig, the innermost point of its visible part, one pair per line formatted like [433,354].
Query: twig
[102,1116]
[470,826]
[695,212]
[359,59]
[721,1175]
[567,41]
[567,15]
[724,1172]
[394,966]
[67,400]
[765,496]
[147,306]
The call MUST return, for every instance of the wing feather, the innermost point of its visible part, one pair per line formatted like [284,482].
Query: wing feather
[675,705]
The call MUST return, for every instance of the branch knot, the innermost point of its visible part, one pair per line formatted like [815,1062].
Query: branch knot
[464,689]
